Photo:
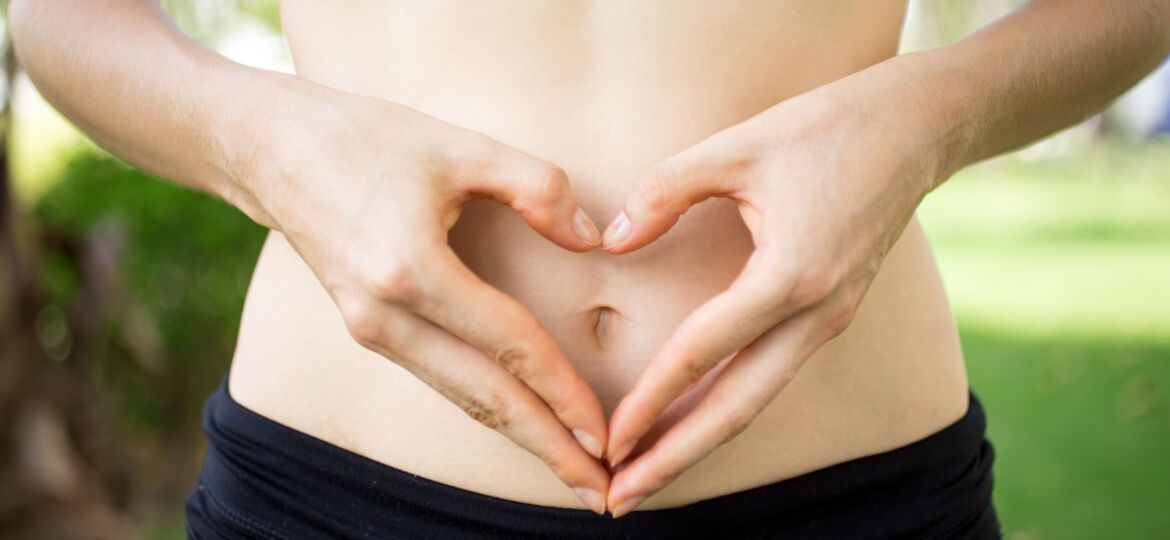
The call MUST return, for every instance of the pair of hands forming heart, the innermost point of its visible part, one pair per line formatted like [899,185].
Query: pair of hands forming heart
[824,187]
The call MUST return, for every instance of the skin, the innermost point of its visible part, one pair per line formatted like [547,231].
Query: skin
[458,300]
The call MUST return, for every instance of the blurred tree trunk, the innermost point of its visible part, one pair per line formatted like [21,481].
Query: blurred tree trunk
[61,475]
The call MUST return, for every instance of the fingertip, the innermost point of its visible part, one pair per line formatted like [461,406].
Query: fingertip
[631,420]
[623,494]
[579,409]
[634,228]
[621,444]
[585,230]
[616,232]
[592,498]
[627,506]
[621,454]
[589,443]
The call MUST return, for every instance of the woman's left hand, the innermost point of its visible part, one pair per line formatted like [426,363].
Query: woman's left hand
[826,186]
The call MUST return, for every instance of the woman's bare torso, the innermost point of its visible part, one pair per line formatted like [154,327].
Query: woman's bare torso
[603,89]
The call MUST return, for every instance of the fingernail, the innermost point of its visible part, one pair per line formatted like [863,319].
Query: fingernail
[588,442]
[617,230]
[621,454]
[584,228]
[627,505]
[591,498]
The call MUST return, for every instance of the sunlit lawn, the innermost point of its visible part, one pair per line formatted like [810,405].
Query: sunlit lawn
[1059,275]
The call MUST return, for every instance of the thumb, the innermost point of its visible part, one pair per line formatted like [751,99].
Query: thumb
[540,192]
[661,195]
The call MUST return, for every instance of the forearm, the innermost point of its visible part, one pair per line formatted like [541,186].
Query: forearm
[1049,65]
[149,94]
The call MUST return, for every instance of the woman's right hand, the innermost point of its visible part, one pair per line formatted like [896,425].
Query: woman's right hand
[366,190]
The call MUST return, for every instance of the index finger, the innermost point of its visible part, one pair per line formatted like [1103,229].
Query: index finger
[487,393]
[755,302]
[464,305]
[736,396]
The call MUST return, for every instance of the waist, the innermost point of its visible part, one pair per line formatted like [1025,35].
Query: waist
[894,376]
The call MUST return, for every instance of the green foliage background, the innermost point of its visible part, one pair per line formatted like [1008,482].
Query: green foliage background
[187,263]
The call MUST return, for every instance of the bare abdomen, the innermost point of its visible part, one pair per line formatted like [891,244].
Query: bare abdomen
[602,101]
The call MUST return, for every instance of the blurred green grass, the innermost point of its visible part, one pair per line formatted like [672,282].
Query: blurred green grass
[1081,432]
[1058,272]
[1078,244]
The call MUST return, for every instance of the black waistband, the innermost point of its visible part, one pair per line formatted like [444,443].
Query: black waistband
[262,479]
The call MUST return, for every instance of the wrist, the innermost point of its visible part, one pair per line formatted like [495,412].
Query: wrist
[238,121]
[924,104]
[270,130]
[943,104]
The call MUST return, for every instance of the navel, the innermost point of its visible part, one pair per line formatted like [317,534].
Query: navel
[603,327]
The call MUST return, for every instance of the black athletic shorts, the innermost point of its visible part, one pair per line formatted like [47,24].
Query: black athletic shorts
[262,479]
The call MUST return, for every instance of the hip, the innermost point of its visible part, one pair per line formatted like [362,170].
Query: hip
[894,376]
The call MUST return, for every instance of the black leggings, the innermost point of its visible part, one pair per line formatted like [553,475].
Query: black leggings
[261,479]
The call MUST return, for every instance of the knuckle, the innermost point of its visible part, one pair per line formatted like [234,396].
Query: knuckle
[770,277]
[540,190]
[560,401]
[699,367]
[362,323]
[693,366]
[555,463]
[547,182]
[463,151]
[398,282]
[674,348]
[516,358]
[667,470]
[810,288]
[653,185]
[737,420]
[488,410]
[840,319]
